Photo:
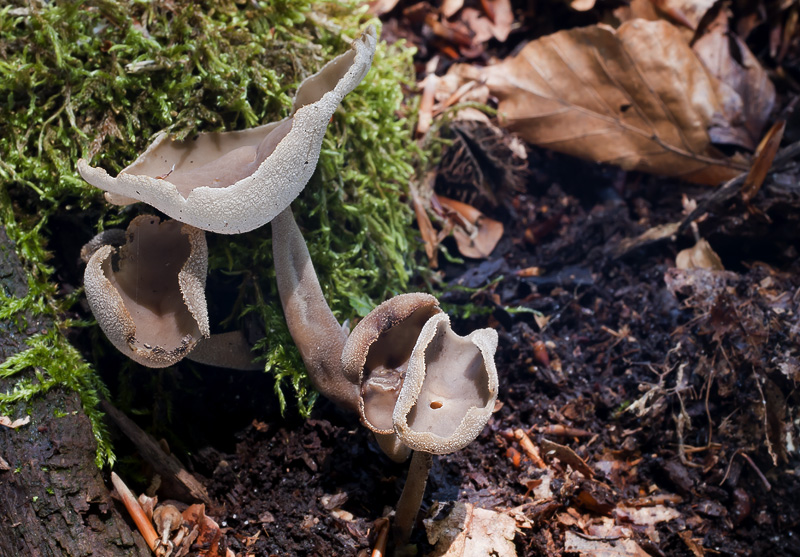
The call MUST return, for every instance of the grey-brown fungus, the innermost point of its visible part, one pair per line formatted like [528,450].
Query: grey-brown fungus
[447,397]
[316,332]
[415,383]
[233,182]
[450,388]
[376,356]
[149,294]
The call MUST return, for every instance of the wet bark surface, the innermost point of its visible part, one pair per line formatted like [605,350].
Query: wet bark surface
[53,501]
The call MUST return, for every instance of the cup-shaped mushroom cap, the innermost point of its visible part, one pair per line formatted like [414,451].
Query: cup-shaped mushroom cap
[449,390]
[377,352]
[149,295]
[233,182]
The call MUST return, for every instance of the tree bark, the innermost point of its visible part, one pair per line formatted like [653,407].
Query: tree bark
[53,501]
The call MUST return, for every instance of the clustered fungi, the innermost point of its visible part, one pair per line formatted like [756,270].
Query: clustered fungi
[149,298]
[416,384]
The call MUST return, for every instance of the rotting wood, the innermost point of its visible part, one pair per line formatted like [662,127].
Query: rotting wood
[54,501]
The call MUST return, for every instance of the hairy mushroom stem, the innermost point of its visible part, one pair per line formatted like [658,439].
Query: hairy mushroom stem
[410,500]
[316,332]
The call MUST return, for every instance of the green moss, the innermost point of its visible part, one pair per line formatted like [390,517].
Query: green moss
[98,78]
[55,362]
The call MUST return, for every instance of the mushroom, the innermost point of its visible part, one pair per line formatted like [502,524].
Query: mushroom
[149,295]
[375,357]
[415,383]
[233,182]
[448,395]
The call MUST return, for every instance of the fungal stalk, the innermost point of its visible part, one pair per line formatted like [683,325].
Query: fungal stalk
[415,383]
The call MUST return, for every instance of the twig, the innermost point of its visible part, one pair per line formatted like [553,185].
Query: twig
[136,512]
[530,449]
[382,525]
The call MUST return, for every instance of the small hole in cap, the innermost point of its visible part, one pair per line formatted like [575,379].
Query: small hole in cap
[436,404]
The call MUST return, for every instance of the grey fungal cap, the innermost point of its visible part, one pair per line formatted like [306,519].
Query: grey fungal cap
[378,350]
[233,182]
[450,388]
[149,295]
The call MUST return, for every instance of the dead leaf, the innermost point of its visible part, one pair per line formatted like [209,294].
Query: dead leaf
[647,516]
[4,465]
[450,7]
[581,5]
[650,236]
[685,14]
[602,547]
[468,530]
[380,7]
[480,25]
[426,229]
[762,160]
[476,234]
[696,549]
[699,256]
[501,16]
[636,97]
[6,421]
[567,456]
[428,87]
[208,537]
[636,9]
[746,93]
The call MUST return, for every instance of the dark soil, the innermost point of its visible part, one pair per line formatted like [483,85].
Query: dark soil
[715,353]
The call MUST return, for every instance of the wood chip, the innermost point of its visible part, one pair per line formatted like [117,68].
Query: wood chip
[567,456]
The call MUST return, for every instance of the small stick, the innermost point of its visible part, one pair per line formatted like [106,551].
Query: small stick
[136,512]
[565,431]
[758,472]
[383,535]
[530,449]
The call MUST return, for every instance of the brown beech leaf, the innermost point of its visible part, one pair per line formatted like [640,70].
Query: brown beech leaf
[745,91]
[468,530]
[762,160]
[6,421]
[476,234]
[699,256]
[636,97]
[380,7]
[450,7]
[426,229]
[685,14]
[581,5]
[501,16]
